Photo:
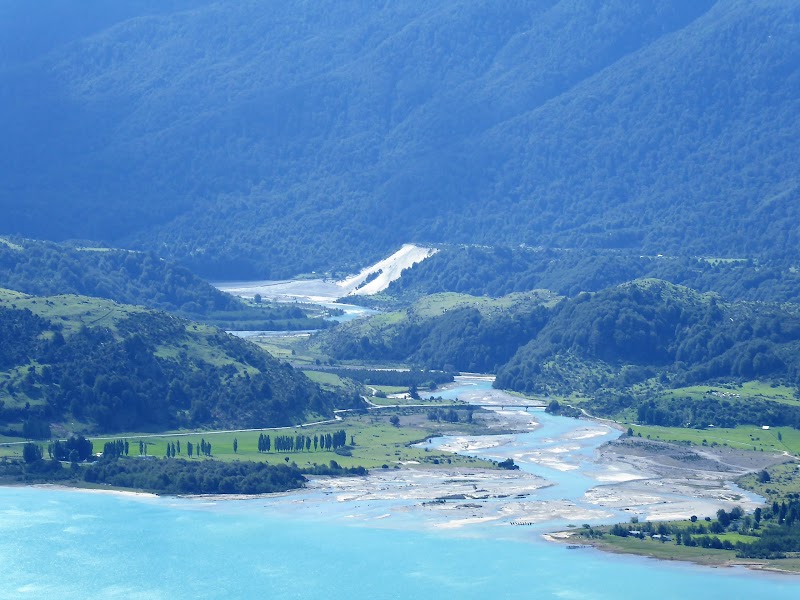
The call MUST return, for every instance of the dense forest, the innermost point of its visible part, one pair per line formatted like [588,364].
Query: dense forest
[168,476]
[650,323]
[45,269]
[624,347]
[260,140]
[132,369]
[447,332]
[498,270]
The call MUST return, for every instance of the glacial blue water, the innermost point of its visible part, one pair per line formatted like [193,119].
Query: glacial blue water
[71,544]
[61,543]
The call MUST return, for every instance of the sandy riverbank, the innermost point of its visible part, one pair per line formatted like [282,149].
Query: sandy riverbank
[626,477]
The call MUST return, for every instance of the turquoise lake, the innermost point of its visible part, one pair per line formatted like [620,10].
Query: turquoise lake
[72,544]
[61,543]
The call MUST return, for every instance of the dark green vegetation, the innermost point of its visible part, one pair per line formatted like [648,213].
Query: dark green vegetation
[390,377]
[195,477]
[630,351]
[164,476]
[495,271]
[234,135]
[47,269]
[112,367]
[450,332]
[627,346]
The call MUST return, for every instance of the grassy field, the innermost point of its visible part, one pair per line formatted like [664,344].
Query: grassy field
[702,556]
[290,347]
[71,311]
[377,443]
[784,480]
[744,437]
[738,393]
[665,550]
[437,304]
[326,380]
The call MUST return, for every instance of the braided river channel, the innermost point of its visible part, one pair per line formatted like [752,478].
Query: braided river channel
[394,534]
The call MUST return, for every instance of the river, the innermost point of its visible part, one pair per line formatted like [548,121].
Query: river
[334,541]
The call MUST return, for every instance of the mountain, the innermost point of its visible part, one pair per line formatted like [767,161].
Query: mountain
[499,270]
[444,331]
[103,366]
[262,139]
[628,334]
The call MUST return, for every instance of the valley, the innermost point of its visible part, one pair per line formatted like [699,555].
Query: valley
[379,300]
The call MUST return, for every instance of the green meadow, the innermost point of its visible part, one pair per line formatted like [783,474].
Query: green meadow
[743,437]
[377,442]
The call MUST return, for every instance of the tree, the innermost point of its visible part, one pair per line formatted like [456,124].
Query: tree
[395,420]
[257,298]
[553,408]
[235,445]
[723,517]
[189,449]
[31,453]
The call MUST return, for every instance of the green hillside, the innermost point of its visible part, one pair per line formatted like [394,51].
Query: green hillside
[444,331]
[634,349]
[86,364]
[263,139]
[46,268]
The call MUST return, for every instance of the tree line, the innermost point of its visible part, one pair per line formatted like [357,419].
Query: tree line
[303,443]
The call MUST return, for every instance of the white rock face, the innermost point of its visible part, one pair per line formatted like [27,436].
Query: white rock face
[325,290]
[388,270]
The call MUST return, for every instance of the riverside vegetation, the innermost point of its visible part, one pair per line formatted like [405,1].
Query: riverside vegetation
[770,536]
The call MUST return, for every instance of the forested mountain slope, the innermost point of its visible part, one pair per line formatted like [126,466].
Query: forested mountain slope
[444,331]
[499,270]
[264,139]
[105,366]
[627,334]
[46,269]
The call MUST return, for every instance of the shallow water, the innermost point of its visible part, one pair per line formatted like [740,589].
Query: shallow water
[70,544]
[313,544]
